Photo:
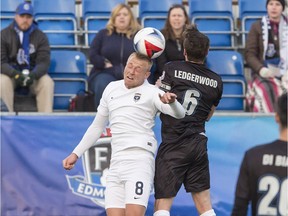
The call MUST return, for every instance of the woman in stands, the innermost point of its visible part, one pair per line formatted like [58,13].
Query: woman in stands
[176,21]
[110,50]
[266,54]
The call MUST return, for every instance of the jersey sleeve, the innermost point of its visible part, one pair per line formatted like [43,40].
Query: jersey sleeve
[242,194]
[92,134]
[95,130]
[103,106]
[220,90]
[240,207]
[165,79]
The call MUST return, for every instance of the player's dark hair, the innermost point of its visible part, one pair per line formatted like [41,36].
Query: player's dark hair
[282,109]
[195,43]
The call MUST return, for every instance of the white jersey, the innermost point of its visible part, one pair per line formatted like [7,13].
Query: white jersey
[131,114]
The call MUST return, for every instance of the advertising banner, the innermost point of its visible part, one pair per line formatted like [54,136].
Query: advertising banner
[33,181]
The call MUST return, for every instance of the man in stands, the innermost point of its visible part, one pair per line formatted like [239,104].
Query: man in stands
[25,59]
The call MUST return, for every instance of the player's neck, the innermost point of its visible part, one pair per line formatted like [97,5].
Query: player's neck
[197,62]
[284,135]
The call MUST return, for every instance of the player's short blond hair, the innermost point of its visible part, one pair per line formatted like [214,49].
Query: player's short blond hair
[143,58]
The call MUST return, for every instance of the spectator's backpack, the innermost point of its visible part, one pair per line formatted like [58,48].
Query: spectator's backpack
[82,102]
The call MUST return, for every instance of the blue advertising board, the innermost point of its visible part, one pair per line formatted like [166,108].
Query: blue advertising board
[33,181]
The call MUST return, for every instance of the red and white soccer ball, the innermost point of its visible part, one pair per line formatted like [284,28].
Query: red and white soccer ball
[150,42]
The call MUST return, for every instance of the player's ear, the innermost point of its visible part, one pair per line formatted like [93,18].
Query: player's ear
[277,118]
[147,74]
[207,51]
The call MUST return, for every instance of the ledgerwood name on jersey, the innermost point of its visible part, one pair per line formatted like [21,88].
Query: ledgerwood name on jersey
[196,78]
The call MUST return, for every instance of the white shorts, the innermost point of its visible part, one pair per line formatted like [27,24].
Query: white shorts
[130,179]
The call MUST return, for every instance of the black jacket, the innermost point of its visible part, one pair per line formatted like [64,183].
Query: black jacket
[39,57]
[115,47]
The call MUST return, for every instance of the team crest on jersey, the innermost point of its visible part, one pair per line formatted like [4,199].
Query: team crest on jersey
[95,162]
[137,97]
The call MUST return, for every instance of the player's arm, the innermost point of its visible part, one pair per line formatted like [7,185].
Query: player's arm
[90,137]
[242,193]
[168,104]
[168,97]
[240,207]
[211,113]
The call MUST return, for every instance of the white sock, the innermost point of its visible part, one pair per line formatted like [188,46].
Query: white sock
[209,213]
[161,213]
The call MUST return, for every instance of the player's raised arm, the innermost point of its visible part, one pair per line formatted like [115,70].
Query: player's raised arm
[90,137]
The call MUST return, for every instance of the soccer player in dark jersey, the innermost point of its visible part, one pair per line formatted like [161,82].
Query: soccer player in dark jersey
[263,174]
[182,156]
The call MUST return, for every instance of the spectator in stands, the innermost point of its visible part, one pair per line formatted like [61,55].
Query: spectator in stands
[110,50]
[175,24]
[266,54]
[25,59]
[263,174]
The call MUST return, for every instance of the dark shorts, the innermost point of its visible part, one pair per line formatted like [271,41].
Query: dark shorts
[183,162]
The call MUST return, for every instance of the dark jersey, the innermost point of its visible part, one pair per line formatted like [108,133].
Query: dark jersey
[263,181]
[197,89]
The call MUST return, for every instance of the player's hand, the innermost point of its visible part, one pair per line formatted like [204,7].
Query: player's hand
[69,162]
[168,98]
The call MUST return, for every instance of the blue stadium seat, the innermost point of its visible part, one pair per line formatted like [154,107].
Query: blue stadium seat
[230,66]
[215,19]
[249,12]
[154,13]
[96,14]
[7,11]
[68,70]
[58,20]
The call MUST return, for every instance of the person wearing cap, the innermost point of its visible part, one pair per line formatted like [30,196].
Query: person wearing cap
[25,60]
[266,53]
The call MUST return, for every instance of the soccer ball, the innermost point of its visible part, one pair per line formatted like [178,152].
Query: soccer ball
[150,42]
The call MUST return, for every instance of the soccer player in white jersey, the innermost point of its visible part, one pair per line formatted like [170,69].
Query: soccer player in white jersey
[130,106]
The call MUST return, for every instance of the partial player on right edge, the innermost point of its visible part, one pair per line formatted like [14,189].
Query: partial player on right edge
[182,156]
[262,179]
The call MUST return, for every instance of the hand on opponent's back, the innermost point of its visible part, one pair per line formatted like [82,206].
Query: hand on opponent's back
[168,97]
